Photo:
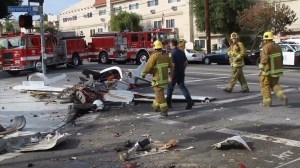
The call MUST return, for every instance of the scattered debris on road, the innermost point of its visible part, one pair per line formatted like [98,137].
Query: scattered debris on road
[17,123]
[148,147]
[235,141]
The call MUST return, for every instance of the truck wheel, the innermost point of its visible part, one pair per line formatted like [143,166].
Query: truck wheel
[142,56]
[38,67]
[75,61]
[207,61]
[103,58]
[13,73]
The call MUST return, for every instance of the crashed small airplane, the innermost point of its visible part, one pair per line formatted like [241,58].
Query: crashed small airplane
[126,78]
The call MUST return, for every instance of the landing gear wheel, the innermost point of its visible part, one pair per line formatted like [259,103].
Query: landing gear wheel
[142,57]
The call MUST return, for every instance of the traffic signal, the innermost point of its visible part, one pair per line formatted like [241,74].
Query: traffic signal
[25,21]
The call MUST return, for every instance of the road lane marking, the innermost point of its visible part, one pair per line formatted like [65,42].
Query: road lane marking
[262,137]
[285,164]
[218,78]
[248,97]
[208,73]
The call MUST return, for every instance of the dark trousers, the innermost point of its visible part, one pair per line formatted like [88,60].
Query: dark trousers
[183,89]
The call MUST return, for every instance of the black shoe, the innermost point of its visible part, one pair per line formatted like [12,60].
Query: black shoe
[228,91]
[189,105]
[244,91]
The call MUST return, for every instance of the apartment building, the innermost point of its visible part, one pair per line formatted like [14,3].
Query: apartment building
[91,16]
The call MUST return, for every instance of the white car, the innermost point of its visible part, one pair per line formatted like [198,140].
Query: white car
[193,55]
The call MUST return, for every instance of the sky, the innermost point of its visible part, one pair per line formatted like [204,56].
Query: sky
[51,6]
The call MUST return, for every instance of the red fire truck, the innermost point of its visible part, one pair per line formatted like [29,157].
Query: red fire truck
[23,51]
[128,46]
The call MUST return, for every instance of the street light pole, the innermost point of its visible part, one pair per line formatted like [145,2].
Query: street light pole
[207,27]
[43,53]
[44,58]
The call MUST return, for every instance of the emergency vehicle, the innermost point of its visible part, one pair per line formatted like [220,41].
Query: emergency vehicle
[291,54]
[23,51]
[128,46]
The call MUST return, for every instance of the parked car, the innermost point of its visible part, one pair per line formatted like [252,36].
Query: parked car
[193,56]
[218,56]
[252,58]
[291,54]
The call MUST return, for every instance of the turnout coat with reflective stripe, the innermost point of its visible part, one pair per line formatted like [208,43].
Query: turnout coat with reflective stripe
[158,65]
[237,51]
[271,60]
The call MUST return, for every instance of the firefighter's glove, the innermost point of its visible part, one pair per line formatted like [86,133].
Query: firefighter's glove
[260,73]
[235,59]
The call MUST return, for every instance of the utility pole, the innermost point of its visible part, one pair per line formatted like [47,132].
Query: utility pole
[207,27]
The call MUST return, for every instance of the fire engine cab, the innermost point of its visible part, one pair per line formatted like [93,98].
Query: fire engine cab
[128,46]
[23,51]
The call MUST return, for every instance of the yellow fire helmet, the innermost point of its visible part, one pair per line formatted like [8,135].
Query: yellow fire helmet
[268,36]
[234,35]
[157,44]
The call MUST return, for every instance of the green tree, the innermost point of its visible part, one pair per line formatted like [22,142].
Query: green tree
[222,15]
[8,26]
[3,7]
[48,28]
[264,16]
[125,21]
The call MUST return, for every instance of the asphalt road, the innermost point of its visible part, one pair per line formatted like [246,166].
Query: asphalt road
[271,132]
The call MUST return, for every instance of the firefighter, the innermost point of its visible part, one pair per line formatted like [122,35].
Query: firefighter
[236,53]
[270,66]
[158,65]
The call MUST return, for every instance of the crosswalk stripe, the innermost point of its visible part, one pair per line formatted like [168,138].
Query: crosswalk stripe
[268,138]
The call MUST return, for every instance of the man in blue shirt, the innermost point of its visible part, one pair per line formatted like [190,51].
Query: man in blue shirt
[179,62]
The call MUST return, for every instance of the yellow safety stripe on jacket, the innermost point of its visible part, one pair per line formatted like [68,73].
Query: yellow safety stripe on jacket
[160,67]
[163,105]
[274,71]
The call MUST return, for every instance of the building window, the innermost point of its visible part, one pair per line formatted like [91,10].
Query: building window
[199,44]
[74,18]
[117,9]
[88,15]
[170,23]
[92,32]
[157,24]
[133,6]
[171,1]
[100,30]
[152,3]
[102,12]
